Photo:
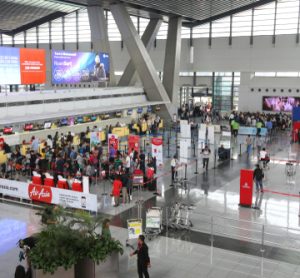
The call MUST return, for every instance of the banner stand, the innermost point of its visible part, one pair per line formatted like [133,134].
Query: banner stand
[246,188]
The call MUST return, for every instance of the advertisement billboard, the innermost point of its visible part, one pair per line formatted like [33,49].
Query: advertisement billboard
[33,66]
[10,65]
[280,104]
[76,67]
[48,194]
[22,66]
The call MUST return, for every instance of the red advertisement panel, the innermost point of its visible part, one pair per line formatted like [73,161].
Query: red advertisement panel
[246,187]
[1,143]
[113,141]
[296,128]
[133,143]
[40,193]
[33,66]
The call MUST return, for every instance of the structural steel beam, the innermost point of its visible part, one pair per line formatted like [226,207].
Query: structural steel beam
[129,77]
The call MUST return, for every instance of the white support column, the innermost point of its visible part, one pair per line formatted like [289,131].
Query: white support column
[129,76]
[140,57]
[172,61]
[100,36]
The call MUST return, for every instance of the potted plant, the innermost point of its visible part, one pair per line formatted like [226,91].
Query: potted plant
[71,242]
[99,252]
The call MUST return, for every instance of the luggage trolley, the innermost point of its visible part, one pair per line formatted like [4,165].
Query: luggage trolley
[180,216]
[153,222]
[290,172]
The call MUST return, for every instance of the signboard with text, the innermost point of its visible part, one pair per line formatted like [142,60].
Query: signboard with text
[246,187]
[49,195]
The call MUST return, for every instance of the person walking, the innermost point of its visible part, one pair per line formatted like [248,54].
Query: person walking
[116,190]
[249,145]
[143,260]
[205,156]
[174,162]
[258,176]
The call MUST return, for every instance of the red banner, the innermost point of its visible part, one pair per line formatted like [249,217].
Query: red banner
[113,141]
[246,187]
[1,143]
[33,66]
[133,143]
[296,127]
[40,193]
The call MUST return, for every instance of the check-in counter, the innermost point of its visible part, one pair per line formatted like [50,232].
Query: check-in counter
[3,157]
[120,131]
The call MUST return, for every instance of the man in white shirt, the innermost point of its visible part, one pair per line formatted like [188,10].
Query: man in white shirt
[205,155]
[127,163]
[174,163]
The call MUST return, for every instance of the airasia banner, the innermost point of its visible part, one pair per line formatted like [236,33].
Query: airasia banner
[133,143]
[49,195]
[1,143]
[113,141]
[157,149]
[246,187]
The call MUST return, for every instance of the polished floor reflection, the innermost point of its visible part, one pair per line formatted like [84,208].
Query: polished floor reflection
[239,234]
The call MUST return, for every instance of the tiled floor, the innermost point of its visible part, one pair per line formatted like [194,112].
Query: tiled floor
[216,196]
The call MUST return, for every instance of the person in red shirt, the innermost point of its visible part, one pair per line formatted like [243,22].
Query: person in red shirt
[116,190]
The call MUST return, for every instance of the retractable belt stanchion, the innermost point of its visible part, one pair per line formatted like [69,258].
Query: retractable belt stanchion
[196,172]
[240,149]
[185,172]
[194,147]
[215,159]
[168,147]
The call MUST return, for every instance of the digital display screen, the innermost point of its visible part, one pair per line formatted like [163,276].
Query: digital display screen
[7,130]
[75,67]
[64,121]
[22,66]
[47,125]
[280,104]
[79,120]
[28,127]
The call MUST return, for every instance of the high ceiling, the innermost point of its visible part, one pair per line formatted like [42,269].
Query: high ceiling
[18,15]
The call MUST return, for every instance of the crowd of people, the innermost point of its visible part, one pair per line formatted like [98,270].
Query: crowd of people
[60,157]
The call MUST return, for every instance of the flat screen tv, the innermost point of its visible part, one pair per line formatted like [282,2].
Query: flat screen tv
[28,127]
[280,104]
[47,125]
[8,130]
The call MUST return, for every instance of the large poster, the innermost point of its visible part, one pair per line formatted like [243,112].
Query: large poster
[75,67]
[22,66]
[49,195]
[10,65]
[184,150]
[133,143]
[113,142]
[33,66]
[157,150]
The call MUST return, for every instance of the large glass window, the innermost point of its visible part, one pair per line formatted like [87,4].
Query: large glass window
[56,31]
[31,36]
[264,18]
[19,38]
[185,32]
[241,24]
[287,17]
[7,40]
[84,31]
[44,33]
[70,28]
[163,31]
[113,31]
[221,27]
[222,91]
[201,31]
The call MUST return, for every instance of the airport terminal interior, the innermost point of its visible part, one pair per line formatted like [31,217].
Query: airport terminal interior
[149,138]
